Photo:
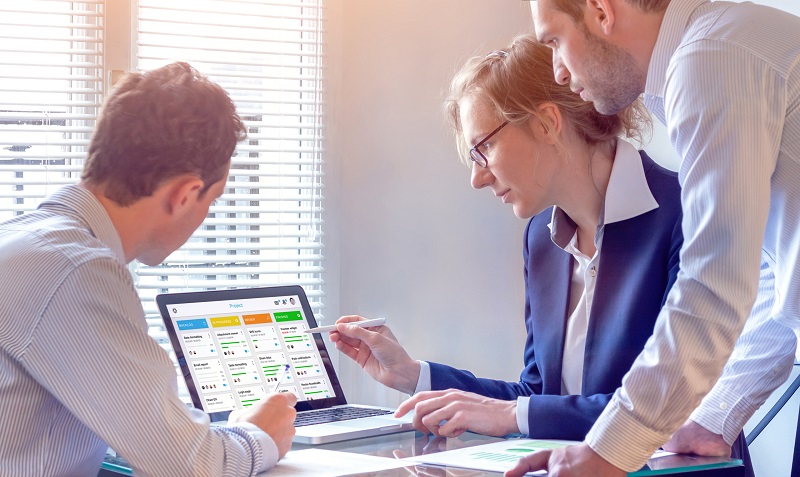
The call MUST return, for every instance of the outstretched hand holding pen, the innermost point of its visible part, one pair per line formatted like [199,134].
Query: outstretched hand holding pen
[377,351]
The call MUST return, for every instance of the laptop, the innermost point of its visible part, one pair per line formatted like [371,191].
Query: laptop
[233,347]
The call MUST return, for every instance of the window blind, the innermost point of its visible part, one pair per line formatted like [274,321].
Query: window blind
[51,70]
[266,228]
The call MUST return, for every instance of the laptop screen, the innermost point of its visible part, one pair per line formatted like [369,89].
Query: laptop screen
[233,345]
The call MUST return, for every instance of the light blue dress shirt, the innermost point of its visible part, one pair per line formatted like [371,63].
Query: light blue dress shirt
[725,79]
[78,371]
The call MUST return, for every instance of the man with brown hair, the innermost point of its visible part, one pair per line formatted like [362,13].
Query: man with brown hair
[724,78]
[79,371]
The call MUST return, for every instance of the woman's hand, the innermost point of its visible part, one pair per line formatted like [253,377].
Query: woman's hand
[450,413]
[377,351]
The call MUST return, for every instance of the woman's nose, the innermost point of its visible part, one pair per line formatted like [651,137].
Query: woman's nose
[481,176]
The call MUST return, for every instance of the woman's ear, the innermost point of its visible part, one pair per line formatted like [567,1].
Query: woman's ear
[547,125]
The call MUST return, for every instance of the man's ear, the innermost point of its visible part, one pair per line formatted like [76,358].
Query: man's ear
[180,192]
[600,14]
[548,124]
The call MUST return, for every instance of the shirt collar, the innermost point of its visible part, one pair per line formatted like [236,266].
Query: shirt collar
[628,195]
[673,27]
[84,205]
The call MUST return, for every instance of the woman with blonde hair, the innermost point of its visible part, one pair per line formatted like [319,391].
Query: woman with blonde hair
[601,251]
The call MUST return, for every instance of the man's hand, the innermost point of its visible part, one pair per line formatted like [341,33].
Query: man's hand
[452,412]
[572,461]
[275,416]
[692,438]
[377,351]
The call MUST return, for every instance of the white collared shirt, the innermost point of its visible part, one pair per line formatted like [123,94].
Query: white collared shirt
[627,196]
[724,79]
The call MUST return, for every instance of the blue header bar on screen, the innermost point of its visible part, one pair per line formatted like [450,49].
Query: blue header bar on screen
[197,324]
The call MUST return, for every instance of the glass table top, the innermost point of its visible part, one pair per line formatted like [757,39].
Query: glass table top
[407,444]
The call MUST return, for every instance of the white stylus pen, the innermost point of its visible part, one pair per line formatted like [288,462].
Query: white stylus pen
[363,324]
[281,376]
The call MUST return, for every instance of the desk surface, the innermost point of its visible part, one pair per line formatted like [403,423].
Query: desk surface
[407,444]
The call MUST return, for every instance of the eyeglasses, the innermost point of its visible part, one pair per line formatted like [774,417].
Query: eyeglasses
[476,155]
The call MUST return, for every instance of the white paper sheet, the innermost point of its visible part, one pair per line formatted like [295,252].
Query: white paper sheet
[326,463]
[494,457]
[497,456]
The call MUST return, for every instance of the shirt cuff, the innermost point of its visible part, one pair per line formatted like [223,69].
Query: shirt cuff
[269,451]
[424,381]
[522,414]
[622,440]
[724,412]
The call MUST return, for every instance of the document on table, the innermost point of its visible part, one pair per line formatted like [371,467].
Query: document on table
[495,457]
[326,463]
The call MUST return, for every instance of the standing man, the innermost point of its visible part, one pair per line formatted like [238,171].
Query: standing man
[725,79]
[78,371]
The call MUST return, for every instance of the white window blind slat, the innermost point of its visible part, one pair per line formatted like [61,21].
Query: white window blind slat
[39,105]
[85,52]
[260,223]
[53,91]
[286,81]
[250,10]
[184,43]
[48,64]
[225,59]
[223,37]
[39,154]
[229,269]
[236,21]
[262,258]
[240,234]
[38,18]
[148,299]
[63,129]
[234,246]
[27,76]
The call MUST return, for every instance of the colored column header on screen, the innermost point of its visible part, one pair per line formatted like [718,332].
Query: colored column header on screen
[283,316]
[220,321]
[257,319]
[196,324]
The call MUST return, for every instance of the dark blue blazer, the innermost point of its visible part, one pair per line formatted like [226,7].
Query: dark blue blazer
[638,265]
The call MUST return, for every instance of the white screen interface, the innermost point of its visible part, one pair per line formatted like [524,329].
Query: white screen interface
[236,351]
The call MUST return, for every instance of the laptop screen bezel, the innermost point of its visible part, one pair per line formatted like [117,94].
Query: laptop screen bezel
[164,301]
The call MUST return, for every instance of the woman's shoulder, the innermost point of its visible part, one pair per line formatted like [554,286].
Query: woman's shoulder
[537,232]
[663,182]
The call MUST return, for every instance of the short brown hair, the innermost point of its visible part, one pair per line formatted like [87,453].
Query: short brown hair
[519,79]
[158,125]
[574,8]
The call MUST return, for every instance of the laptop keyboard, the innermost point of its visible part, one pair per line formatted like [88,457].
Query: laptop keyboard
[321,416]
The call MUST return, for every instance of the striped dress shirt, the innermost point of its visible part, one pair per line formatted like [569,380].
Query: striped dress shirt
[78,371]
[725,80]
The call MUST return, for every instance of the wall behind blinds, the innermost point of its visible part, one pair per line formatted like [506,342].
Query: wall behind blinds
[51,70]
[266,228]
